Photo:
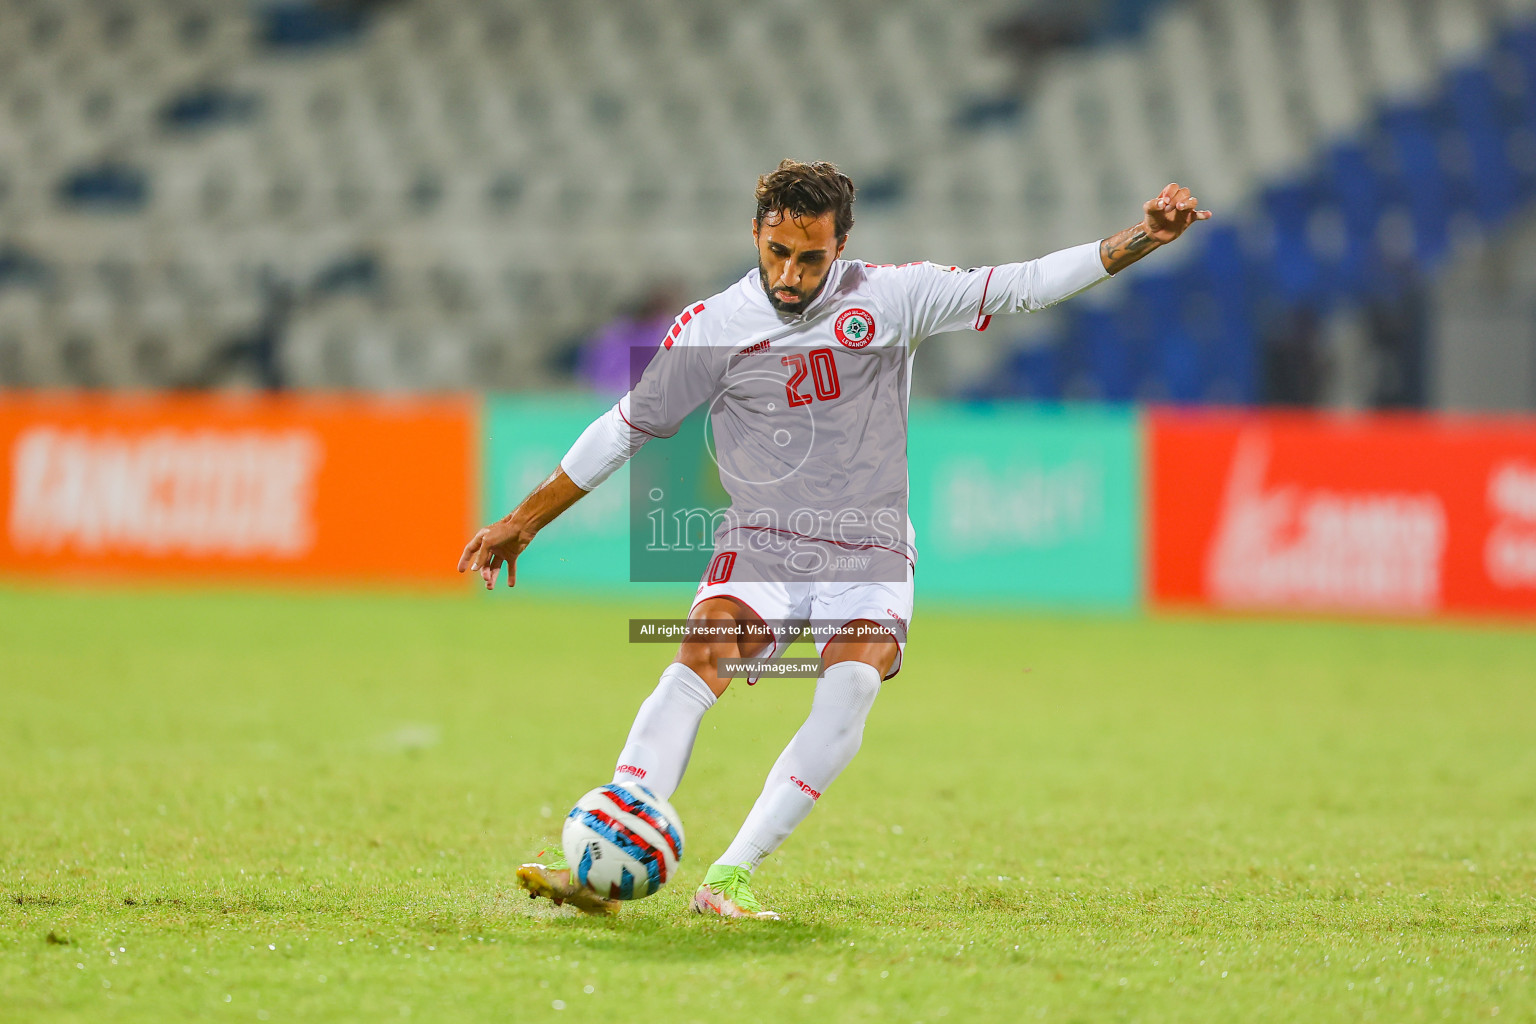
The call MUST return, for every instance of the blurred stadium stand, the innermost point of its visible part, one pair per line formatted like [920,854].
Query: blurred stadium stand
[442,194]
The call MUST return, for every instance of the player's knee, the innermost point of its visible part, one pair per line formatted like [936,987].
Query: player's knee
[708,640]
[715,630]
[851,684]
[699,656]
[880,651]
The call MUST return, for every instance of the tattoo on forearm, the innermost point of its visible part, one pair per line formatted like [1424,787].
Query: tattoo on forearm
[1120,251]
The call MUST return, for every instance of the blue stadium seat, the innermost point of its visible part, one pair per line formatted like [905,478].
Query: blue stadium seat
[1292,265]
[305,25]
[1036,373]
[1107,352]
[1475,105]
[1181,366]
[1519,47]
[207,106]
[105,186]
[1354,184]
[1419,179]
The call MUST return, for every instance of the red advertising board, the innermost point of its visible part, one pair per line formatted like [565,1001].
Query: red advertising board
[1381,514]
[202,487]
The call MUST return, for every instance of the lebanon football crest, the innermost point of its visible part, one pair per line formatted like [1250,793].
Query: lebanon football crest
[855,328]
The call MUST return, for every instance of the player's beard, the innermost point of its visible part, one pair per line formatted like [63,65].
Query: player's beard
[786,307]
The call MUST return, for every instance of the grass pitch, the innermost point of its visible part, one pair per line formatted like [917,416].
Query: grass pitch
[221,806]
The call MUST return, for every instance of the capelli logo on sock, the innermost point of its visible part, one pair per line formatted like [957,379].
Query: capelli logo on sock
[805,789]
[630,769]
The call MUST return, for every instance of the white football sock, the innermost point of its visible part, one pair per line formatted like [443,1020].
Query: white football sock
[815,756]
[661,739]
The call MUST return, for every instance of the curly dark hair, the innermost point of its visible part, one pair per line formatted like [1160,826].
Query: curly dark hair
[800,190]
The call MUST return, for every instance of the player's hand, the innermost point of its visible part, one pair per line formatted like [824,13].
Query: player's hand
[1171,213]
[491,547]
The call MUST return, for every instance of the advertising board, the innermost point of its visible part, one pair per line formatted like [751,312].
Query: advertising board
[337,488]
[1386,514]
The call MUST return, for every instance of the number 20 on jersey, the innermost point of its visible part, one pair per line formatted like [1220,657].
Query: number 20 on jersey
[822,370]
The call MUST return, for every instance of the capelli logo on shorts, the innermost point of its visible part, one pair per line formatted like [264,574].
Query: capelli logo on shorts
[805,789]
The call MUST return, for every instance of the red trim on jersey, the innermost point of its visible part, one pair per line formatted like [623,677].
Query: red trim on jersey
[677,327]
[982,320]
[854,547]
[633,427]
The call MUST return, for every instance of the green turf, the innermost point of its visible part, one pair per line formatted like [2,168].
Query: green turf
[221,806]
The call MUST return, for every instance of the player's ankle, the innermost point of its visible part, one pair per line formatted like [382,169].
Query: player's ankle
[720,875]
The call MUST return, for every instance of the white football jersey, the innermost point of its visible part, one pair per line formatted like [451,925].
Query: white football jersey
[808,411]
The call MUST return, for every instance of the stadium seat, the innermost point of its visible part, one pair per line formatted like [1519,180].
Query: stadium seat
[458,135]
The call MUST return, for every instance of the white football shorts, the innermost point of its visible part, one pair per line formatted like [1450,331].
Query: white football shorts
[790,606]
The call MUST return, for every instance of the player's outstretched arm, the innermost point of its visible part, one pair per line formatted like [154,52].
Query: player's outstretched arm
[505,539]
[1166,218]
[608,443]
[938,301]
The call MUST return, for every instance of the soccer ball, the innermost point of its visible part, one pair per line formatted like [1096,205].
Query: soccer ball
[622,841]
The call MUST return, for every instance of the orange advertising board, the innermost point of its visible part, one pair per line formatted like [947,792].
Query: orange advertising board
[344,489]
[1385,514]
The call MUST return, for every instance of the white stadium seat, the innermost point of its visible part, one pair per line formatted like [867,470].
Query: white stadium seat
[531,148]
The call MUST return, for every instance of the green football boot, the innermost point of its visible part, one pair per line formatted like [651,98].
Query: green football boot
[727,892]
